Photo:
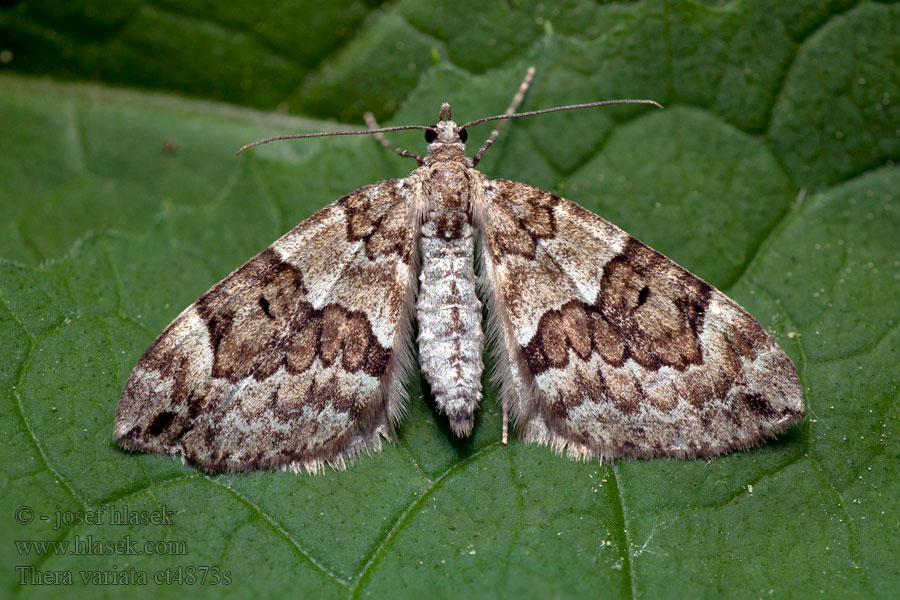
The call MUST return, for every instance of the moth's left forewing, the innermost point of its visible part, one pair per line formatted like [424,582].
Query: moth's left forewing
[298,358]
[608,348]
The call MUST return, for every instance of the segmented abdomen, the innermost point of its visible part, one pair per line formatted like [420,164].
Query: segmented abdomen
[451,341]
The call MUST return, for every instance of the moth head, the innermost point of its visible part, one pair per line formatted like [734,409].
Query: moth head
[445,130]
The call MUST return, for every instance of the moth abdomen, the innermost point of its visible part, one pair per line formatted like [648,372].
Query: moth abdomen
[451,341]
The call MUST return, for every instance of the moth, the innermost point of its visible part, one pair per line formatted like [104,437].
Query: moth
[604,347]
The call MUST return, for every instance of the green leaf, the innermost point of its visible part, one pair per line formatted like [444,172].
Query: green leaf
[770,173]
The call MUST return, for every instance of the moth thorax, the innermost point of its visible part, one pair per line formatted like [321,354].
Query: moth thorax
[448,186]
[451,341]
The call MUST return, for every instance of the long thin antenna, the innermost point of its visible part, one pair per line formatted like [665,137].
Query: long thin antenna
[329,133]
[509,114]
[557,109]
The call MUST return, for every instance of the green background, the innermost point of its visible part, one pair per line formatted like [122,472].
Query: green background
[771,173]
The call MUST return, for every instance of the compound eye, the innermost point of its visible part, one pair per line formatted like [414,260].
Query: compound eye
[463,135]
[430,135]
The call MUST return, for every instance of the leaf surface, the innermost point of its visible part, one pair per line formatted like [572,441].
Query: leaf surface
[770,173]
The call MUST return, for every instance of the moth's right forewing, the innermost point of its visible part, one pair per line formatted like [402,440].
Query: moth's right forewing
[608,348]
[296,359]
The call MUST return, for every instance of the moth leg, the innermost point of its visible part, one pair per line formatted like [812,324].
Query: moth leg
[505,436]
[513,106]
[373,124]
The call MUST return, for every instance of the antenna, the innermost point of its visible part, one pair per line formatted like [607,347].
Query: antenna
[329,133]
[445,112]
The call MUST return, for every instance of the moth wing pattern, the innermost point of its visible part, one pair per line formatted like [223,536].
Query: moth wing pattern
[295,360]
[609,349]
